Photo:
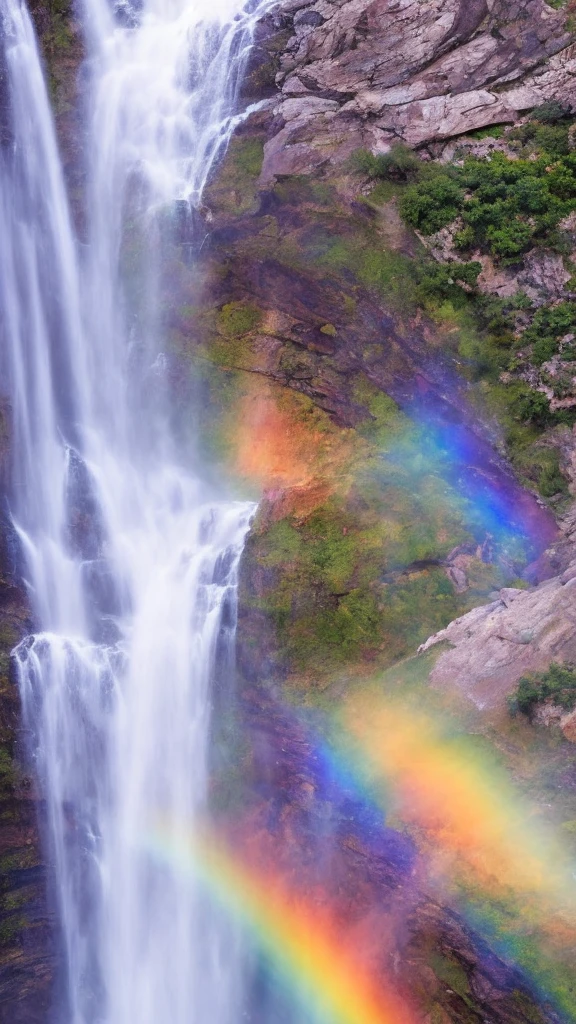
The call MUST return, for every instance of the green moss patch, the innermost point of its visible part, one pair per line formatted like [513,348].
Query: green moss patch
[234,191]
[238,318]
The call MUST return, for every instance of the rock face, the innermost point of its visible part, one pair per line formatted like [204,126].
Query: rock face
[374,72]
[523,631]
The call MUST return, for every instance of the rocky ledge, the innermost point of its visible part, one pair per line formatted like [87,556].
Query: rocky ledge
[374,72]
[521,631]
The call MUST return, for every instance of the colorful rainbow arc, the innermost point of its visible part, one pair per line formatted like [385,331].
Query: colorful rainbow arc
[303,943]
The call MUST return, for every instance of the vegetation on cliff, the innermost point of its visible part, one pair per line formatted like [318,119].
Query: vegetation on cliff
[557,686]
[352,546]
[502,206]
[299,336]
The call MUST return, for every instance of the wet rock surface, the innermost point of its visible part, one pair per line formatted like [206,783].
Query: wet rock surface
[350,74]
[340,850]
[27,939]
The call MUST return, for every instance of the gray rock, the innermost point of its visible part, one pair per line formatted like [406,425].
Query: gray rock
[492,646]
[412,70]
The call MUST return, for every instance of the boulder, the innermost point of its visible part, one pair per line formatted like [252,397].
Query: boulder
[491,647]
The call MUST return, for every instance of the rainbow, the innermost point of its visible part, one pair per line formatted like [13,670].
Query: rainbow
[323,973]
[464,827]
[463,803]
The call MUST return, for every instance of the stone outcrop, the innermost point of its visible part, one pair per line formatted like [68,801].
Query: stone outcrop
[522,631]
[374,72]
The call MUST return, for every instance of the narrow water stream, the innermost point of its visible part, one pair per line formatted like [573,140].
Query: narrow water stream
[131,560]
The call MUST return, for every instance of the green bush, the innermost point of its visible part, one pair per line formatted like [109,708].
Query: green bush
[432,204]
[543,350]
[506,206]
[549,325]
[511,241]
[400,164]
[551,481]
[532,407]
[551,112]
[443,281]
[558,684]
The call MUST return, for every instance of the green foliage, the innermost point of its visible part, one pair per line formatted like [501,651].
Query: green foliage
[506,206]
[400,164]
[531,406]
[248,157]
[443,281]
[234,191]
[558,685]
[549,325]
[550,479]
[491,131]
[549,137]
[551,112]
[508,243]
[433,203]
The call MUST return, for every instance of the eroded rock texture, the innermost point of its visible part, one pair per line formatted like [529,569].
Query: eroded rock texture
[417,71]
[522,631]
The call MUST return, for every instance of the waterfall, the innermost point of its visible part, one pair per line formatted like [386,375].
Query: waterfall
[130,558]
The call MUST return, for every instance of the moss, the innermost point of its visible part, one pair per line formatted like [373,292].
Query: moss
[281,544]
[248,157]
[234,191]
[238,318]
[329,329]
[329,594]
[12,901]
[9,775]
[450,972]
[11,928]
[298,190]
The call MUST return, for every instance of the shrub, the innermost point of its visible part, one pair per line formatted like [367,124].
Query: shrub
[549,325]
[443,281]
[505,205]
[532,407]
[558,683]
[431,205]
[551,481]
[544,349]
[551,112]
[400,164]
[511,241]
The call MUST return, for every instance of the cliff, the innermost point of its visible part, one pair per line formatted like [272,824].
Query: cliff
[374,73]
[340,359]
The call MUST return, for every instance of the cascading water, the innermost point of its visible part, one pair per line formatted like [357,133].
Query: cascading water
[131,561]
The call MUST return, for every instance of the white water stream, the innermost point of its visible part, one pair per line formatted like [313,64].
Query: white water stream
[131,561]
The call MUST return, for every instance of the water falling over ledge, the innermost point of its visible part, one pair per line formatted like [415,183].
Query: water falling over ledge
[130,559]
